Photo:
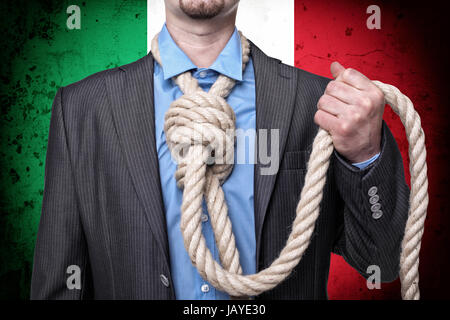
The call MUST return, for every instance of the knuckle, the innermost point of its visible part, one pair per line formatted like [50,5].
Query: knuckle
[317,117]
[357,117]
[324,100]
[348,73]
[321,102]
[365,102]
[330,86]
[344,128]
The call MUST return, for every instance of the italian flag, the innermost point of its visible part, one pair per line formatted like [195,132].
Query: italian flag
[65,41]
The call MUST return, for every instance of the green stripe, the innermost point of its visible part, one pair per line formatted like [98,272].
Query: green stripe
[38,55]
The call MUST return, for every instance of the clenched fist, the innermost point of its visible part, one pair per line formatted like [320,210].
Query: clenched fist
[351,110]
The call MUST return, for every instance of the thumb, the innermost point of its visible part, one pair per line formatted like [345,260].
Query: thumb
[336,69]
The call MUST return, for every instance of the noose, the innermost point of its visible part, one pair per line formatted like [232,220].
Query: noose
[199,122]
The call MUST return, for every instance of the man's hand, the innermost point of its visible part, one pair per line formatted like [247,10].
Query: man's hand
[351,110]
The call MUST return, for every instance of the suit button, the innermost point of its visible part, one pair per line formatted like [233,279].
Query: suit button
[164,280]
[374,199]
[375,207]
[372,191]
[377,214]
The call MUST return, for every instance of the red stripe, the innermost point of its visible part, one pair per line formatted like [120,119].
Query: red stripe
[407,53]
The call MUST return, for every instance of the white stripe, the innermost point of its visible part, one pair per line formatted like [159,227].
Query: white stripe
[156,15]
[268,23]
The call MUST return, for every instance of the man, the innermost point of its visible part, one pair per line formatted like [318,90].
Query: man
[111,204]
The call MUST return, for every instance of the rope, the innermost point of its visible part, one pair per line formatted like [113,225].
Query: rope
[200,127]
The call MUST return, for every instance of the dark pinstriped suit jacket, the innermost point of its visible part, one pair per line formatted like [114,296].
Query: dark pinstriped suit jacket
[103,209]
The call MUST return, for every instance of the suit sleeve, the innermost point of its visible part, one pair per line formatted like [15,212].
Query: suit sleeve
[376,203]
[60,240]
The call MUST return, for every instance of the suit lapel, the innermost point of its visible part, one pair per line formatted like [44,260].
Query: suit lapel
[131,94]
[275,96]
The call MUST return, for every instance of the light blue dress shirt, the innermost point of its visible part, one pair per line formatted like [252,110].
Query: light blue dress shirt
[238,188]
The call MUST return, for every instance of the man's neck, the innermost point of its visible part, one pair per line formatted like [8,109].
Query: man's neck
[201,40]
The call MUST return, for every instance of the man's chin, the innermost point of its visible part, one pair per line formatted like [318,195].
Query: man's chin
[201,9]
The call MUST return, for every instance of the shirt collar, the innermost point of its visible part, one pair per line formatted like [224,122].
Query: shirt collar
[175,61]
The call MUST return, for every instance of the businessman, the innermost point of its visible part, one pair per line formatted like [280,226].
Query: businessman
[111,204]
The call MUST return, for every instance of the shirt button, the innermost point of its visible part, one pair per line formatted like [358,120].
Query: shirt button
[374,199]
[372,191]
[164,280]
[375,207]
[205,288]
[202,74]
[377,214]
[204,217]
